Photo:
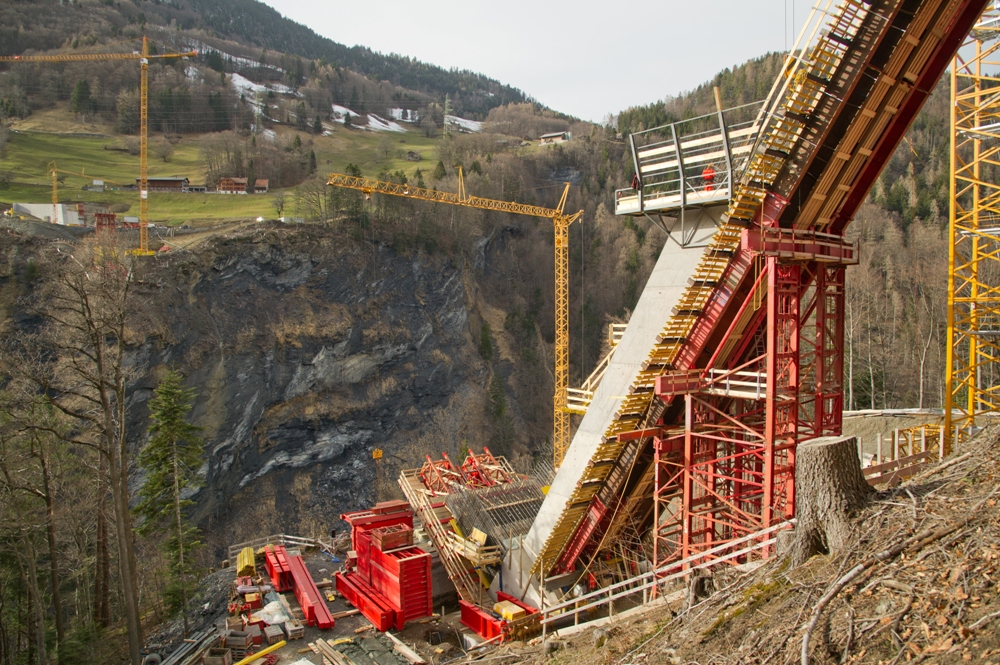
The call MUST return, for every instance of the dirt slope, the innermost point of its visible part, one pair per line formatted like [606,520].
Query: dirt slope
[926,591]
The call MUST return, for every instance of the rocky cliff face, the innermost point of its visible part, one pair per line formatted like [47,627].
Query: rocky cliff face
[308,351]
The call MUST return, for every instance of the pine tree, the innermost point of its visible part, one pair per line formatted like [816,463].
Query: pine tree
[80,98]
[171,460]
[318,126]
[439,171]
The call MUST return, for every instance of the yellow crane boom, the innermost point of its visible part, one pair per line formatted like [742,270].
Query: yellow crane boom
[143,57]
[560,222]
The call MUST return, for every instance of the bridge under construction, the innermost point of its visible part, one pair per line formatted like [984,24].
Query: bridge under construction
[734,354]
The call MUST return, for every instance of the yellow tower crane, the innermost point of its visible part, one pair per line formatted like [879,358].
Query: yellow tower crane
[560,222]
[143,57]
[54,172]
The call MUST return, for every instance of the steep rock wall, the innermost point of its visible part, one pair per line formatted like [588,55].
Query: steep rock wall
[307,352]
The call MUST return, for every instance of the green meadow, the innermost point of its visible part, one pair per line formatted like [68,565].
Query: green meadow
[76,150]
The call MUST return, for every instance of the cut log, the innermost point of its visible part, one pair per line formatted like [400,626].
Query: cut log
[829,489]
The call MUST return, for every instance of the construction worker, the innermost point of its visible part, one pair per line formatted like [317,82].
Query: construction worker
[636,183]
[708,177]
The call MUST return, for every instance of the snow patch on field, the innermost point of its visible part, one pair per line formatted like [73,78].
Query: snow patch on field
[244,84]
[462,124]
[404,115]
[341,111]
[282,89]
[378,124]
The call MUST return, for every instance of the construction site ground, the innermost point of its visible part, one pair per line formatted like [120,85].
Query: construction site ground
[920,584]
[436,639]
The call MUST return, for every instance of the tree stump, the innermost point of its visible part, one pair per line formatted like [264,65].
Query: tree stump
[829,489]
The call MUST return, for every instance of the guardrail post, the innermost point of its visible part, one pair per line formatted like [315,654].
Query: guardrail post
[895,444]
[923,439]
[878,448]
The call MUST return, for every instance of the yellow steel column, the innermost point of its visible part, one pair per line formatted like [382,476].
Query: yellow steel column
[143,140]
[949,370]
[973,346]
[560,415]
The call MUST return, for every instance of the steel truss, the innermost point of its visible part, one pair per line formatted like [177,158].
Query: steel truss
[972,372]
[730,470]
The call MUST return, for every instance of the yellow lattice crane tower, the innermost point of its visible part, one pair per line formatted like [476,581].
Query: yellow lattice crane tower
[973,352]
[143,57]
[560,223]
[54,172]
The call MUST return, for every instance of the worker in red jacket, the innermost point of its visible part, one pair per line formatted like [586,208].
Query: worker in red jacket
[708,177]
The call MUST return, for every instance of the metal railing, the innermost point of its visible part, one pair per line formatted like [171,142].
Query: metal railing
[277,539]
[578,399]
[691,162]
[648,581]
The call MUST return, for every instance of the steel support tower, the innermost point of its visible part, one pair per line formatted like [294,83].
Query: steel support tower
[972,373]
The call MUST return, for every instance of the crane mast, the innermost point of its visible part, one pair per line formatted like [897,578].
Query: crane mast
[561,222]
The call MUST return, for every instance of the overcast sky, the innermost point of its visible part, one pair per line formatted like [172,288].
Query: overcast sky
[584,58]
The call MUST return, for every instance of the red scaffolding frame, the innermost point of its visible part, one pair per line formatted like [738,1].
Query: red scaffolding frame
[729,470]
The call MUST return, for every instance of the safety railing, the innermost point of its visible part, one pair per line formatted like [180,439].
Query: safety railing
[615,332]
[690,163]
[578,399]
[277,539]
[652,581]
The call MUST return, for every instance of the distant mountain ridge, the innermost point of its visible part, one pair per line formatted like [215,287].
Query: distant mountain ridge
[257,23]
[42,25]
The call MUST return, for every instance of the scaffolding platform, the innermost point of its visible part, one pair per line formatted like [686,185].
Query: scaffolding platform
[689,164]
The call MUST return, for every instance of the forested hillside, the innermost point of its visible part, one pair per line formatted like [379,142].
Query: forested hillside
[253,32]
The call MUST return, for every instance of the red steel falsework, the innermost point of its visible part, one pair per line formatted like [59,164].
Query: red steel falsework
[730,470]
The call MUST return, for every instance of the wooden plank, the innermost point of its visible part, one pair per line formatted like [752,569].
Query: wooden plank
[405,651]
[895,464]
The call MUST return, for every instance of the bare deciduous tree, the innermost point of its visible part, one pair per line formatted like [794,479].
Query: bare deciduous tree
[77,364]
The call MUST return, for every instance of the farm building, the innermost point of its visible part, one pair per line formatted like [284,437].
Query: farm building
[239,186]
[172,184]
[554,137]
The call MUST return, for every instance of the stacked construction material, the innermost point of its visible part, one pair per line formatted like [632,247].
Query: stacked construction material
[387,578]
[246,565]
[387,513]
[289,572]
[489,625]
[313,606]
[403,576]
[276,563]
